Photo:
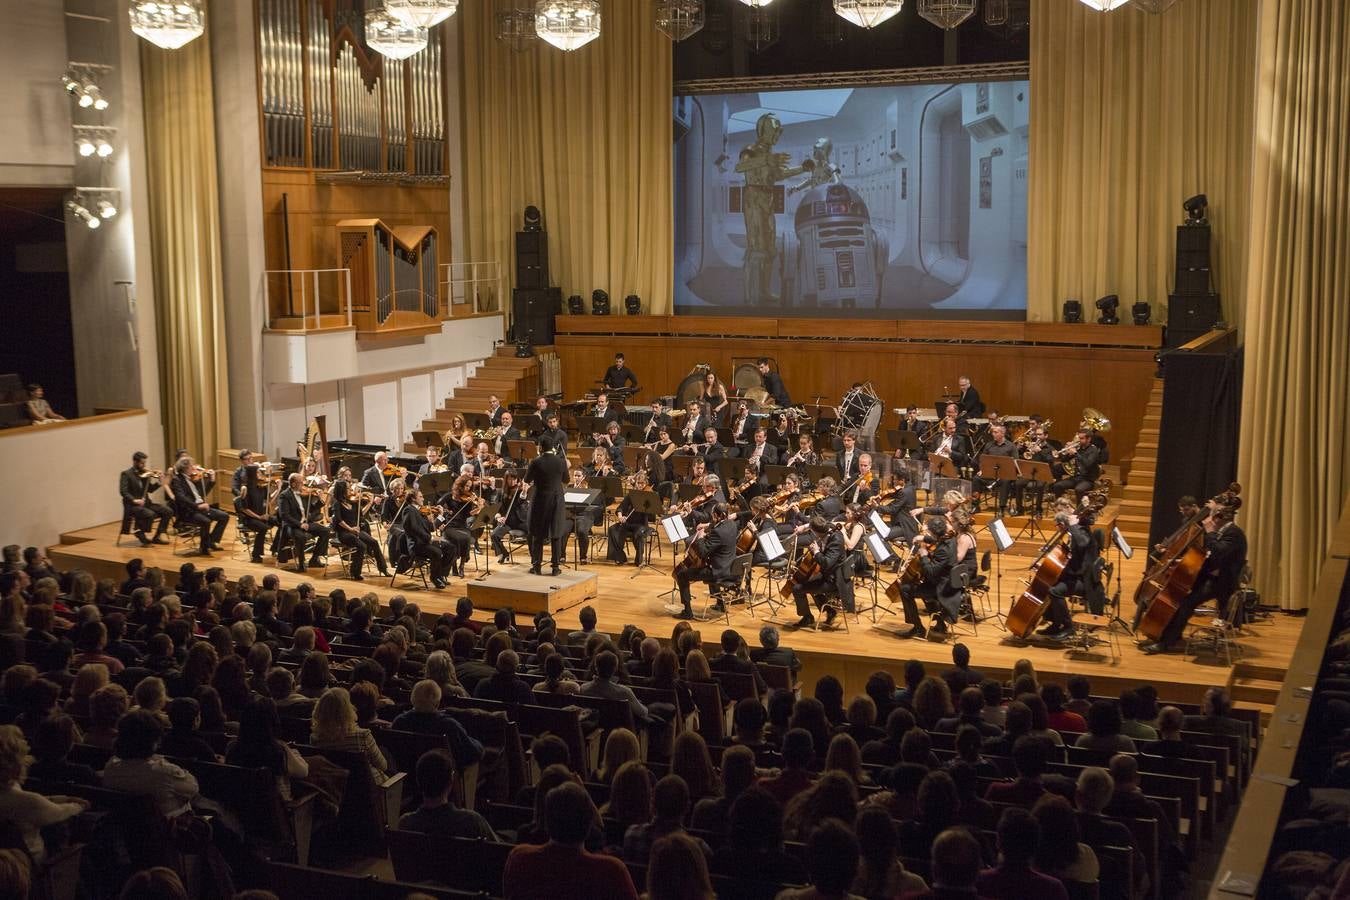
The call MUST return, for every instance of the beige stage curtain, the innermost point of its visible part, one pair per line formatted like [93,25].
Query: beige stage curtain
[1132,113]
[586,137]
[1295,458]
[185,241]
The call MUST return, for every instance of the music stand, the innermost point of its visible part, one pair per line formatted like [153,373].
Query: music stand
[1037,471]
[632,434]
[687,492]
[578,499]
[939,467]
[587,426]
[999,468]
[425,439]
[881,552]
[434,484]
[1123,549]
[681,465]
[815,473]
[648,502]
[676,531]
[775,474]
[635,456]
[1003,542]
[477,420]
[610,485]
[484,521]
[522,450]
[731,471]
[906,441]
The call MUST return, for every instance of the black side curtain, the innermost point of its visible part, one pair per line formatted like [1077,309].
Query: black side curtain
[1198,440]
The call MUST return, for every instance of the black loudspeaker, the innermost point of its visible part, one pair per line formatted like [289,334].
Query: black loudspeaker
[1190,315]
[1192,281]
[531,259]
[532,312]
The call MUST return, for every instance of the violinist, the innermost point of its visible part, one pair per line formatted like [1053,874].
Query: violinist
[374,478]
[1083,551]
[393,509]
[656,421]
[1225,547]
[741,427]
[713,451]
[136,485]
[760,519]
[600,466]
[240,475]
[612,442]
[191,486]
[854,528]
[509,432]
[787,502]
[805,454]
[435,464]
[629,525]
[700,507]
[865,484]
[513,515]
[847,459]
[936,549]
[760,451]
[830,578]
[965,565]
[1000,446]
[698,472]
[830,506]
[461,503]
[299,523]
[714,544]
[898,509]
[351,530]
[422,543]
[254,507]
[581,520]
[1088,457]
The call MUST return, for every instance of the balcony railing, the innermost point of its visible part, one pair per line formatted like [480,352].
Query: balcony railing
[307,299]
[474,287]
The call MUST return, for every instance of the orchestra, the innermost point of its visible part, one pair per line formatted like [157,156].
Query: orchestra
[764,477]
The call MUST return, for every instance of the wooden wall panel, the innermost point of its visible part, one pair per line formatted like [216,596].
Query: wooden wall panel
[1018,379]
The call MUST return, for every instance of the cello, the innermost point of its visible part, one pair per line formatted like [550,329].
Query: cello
[1047,569]
[807,568]
[1168,583]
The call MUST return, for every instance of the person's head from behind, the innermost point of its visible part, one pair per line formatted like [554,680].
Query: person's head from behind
[13,756]
[1170,722]
[1058,846]
[184,714]
[568,814]
[1031,756]
[1094,791]
[968,743]
[1017,719]
[877,837]
[916,747]
[435,776]
[1079,687]
[798,749]
[53,738]
[1217,702]
[587,617]
[955,859]
[749,718]
[1124,770]
[1103,718]
[832,858]
[961,655]
[1018,836]
[158,883]
[755,822]
[549,750]
[426,696]
[677,870]
[670,799]
[138,735]
[768,637]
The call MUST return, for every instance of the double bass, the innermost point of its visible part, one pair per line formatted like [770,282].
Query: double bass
[1168,583]
[1047,569]
[910,573]
[807,568]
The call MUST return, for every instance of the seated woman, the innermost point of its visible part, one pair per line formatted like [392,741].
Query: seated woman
[334,728]
[39,410]
[26,811]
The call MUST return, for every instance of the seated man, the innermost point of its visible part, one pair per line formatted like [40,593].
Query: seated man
[729,661]
[563,869]
[771,653]
[438,814]
[191,487]
[714,542]
[426,717]
[831,580]
[937,550]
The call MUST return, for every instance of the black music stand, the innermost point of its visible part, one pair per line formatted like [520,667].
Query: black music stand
[590,495]
[434,484]
[902,440]
[730,470]
[648,502]
[775,474]
[477,420]
[999,468]
[815,473]
[632,434]
[687,492]
[425,439]
[610,485]
[522,450]
[681,465]
[589,426]
[484,520]
[1037,471]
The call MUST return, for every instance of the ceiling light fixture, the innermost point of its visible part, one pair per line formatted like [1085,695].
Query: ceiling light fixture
[679,19]
[515,27]
[391,37]
[421,13]
[93,140]
[168,23]
[946,14]
[756,4]
[567,24]
[84,215]
[1104,5]
[868,13]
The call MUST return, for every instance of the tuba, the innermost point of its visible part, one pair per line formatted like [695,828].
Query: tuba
[1094,420]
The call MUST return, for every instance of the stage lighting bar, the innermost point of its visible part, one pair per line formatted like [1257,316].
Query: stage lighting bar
[92,205]
[81,82]
[95,140]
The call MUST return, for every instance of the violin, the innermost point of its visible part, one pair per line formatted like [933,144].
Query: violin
[392,471]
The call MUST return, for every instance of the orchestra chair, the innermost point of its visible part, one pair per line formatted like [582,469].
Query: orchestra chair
[416,567]
[834,602]
[1087,633]
[243,540]
[736,589]
[125,529]
[513,540]
[1220,635]
[185,533]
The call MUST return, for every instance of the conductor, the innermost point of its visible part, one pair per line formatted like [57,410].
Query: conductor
[547,474]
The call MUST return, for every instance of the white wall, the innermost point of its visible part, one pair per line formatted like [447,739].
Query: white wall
[36,144]
[64,477]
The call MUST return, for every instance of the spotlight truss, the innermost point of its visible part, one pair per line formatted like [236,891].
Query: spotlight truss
[95,140]
[94,205]
[81,82]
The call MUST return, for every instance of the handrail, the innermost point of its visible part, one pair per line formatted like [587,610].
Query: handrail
[308,281]
[1248,847]
[1206,341]
[472,276]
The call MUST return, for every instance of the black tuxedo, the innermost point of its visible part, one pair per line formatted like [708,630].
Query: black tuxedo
[652,429]
[423,545]
[496,416]
[294,512]
[609,414]
[133,487]
[848,468]
[373,480]
[1088,470]
[768,455]
[559,438]
[1001,489]
[900,513]
[935,588]
[970,406]
[835,578]
[702,424]
[210,522]
[714,452]
[501,445]
[744,433]
[773,386]
[718,550]
[1227,549]
[960,450]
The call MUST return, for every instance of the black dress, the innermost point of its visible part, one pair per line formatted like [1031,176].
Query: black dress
[548,520]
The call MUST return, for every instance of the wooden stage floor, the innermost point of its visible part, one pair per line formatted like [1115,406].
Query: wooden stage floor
[851,655]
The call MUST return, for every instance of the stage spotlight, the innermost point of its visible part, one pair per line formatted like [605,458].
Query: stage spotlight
[1195,209]
[523,349]
[632,304]
[1141,313]
[1073,311]
[1107,307]
[84,215]
[96,98]
[86,146]
[599,303]
[576,306]
[72,84]
[533,220]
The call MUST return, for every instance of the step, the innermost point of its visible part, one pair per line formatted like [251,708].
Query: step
[1140,521]
[1265,709]
[1139,492]
[1148,432]
[509,364]
[1255,690]
[1261,670]
[1147,447]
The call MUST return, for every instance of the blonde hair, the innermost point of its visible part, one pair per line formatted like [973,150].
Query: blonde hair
[150,694]
[89,678]
[334,715]
[81,588]
[12,609]
[620,747]
[14,758]
[696,667]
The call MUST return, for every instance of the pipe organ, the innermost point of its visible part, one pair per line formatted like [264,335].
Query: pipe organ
[330,102]
[395,275]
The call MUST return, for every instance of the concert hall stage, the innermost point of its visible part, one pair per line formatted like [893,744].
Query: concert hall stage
[849,655]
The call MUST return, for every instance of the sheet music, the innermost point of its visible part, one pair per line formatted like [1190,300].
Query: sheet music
[770,544]
[1002,539]
[575,496]
[675,529]
[1121,544]
[878,522]
[881,551]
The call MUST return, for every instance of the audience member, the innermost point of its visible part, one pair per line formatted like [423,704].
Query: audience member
[563,869]
[438,814]
[1014,878]
[831,863]
[1130,724]
[1169,742]
[670,805]
[1103,733]
[678,869]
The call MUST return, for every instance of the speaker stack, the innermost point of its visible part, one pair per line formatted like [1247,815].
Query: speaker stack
[1192,308]
[533,302]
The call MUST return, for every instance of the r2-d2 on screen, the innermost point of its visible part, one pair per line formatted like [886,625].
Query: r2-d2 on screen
[840,257]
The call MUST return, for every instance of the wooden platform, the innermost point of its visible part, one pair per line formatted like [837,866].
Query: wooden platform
[529,594]
[850,655]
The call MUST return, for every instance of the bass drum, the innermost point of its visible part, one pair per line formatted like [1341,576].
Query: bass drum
[689,389]
[747,377]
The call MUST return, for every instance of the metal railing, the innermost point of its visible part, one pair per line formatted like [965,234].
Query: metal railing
[307,295]
[474,284]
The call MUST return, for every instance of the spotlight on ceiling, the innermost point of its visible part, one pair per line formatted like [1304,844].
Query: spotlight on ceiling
[1106,307]
[1073,311]
[576,306]
[84,215]
[1196,208]
[632,304]
[106,209]
[1141,313]
[533,220]
[599,303]
[94,140]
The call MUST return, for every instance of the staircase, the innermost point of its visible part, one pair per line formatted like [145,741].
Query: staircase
[1253,685]
[510,378]
[1136,504]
